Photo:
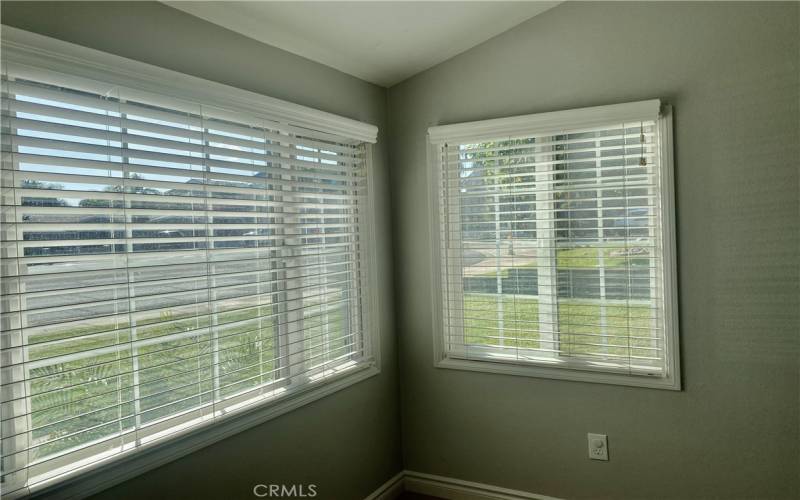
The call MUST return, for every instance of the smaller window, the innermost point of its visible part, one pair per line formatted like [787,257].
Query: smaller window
[556,247]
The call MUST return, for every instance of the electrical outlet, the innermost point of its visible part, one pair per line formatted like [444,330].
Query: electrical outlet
[598,446]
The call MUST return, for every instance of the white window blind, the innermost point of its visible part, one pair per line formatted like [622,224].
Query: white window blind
[555,245]
[165,263]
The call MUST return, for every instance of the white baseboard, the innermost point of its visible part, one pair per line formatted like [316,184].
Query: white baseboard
[389,490]
[447,488]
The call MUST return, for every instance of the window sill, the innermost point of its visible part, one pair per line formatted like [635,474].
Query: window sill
[558,373]
[121,467]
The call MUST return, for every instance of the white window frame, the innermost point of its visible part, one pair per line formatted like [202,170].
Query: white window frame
[26,48]
[526,125]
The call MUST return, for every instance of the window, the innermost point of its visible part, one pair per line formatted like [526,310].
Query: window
[556,245]
[166,263]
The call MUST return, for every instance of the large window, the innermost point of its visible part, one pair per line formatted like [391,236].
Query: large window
[555,245]
[165,263]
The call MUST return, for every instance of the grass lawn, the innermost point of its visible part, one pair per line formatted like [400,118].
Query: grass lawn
[78,401]
[627,328]
[583,258]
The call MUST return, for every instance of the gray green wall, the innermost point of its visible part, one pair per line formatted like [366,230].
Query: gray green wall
[348,443]
[731,72]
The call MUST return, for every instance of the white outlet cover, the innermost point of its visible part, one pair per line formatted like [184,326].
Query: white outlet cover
[598,446]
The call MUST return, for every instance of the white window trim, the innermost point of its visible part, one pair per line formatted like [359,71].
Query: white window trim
[519,126]
[25,47]
[22,47]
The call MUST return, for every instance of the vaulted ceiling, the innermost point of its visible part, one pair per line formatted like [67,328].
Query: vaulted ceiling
[380,42]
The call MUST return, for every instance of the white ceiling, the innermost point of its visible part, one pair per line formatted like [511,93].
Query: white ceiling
[381,42]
